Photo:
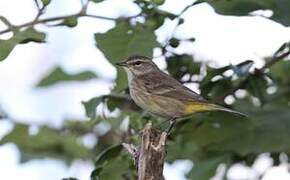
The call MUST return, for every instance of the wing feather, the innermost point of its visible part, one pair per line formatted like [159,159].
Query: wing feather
[163,85]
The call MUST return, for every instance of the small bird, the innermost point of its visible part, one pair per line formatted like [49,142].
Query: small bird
[157,92]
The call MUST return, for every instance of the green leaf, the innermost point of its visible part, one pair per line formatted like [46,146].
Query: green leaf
[47,142]
[58,75]
[108,154]
[121,80]
[45,2]
[212,72]
[181,148]
[173,42]
[6,46]
[244,7]
[121,168]
[20,37]
[96,173]
[123,41]
[280,72]
[180,65]
[29,35]
[103,159]
[257,85]
[91,105]
[206,169]
[158,2]
[217,88]
[269,131]
[207,84]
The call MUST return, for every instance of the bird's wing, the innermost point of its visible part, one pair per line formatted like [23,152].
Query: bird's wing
[163,85]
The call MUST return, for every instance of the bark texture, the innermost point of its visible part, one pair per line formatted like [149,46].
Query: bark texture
[149,158]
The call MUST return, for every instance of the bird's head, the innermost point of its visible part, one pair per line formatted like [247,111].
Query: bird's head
[138,65]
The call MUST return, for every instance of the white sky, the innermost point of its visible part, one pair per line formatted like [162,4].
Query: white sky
[222,39]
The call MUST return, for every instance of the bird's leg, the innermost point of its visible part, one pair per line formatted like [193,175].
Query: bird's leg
[172,122]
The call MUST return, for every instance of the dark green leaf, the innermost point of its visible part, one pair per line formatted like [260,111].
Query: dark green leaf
[280,72]
[91,105]
[174,42]
[212,72]
[58,75]
[206,169]
[207,84]
[217,88]
[123,41]
[266,131]
[121,168]
[96,172]
[180,65]
[257,86]
[244,7]
[108,154]
[269,132]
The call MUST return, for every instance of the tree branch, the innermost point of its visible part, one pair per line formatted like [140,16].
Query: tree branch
[58,18]
[150,157]
[82,13]
[276,58]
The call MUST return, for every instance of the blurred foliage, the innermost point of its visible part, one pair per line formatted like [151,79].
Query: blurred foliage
[46,142]
[129,37]
[207,139]
[244,7]
[19,37]
[58,75]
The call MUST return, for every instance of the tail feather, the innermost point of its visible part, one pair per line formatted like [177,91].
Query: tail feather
[199,107]
[220,108]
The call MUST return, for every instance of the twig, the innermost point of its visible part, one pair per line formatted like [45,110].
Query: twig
[178,17]
[276,58]
[52,19]
[40,21]
[84,7]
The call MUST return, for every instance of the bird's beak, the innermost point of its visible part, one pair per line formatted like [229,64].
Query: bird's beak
[122,63]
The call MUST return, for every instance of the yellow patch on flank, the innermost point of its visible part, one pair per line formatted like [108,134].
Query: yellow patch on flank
[197,107]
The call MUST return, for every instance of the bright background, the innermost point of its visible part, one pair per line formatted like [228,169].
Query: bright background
[221,39]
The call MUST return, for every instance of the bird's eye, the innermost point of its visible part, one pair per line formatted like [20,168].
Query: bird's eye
[137,63]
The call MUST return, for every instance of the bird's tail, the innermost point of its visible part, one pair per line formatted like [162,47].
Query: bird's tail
[220,108]
[199,107]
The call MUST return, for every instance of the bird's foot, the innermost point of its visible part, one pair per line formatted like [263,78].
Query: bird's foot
[171,125]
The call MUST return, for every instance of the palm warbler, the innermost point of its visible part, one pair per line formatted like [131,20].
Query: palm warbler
[160,94]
